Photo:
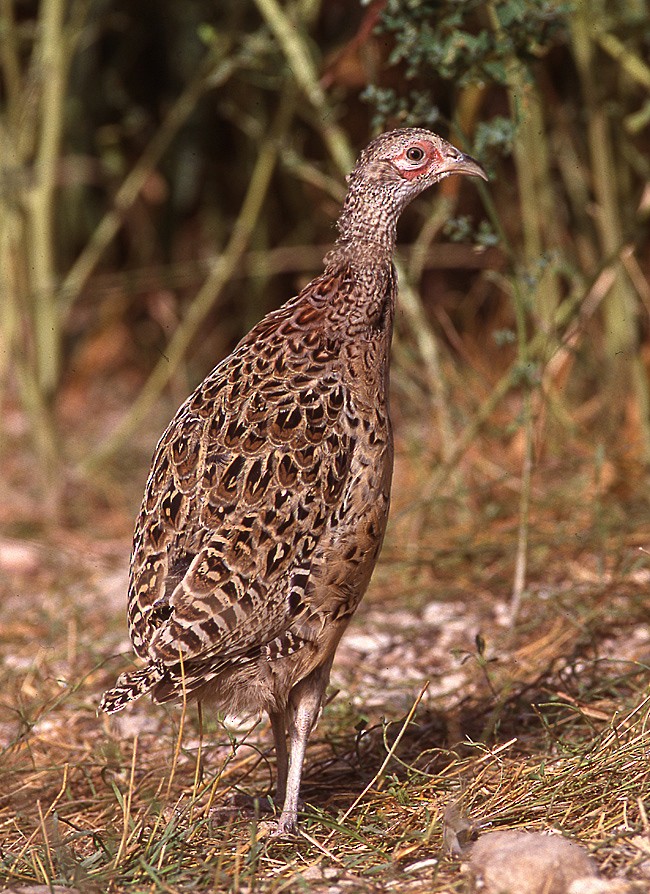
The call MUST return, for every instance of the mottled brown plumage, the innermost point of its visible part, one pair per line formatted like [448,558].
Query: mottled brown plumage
[268,496]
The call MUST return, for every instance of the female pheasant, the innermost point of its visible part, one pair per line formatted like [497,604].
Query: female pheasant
[268,495]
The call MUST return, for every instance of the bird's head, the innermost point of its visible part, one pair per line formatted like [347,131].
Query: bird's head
[390,172]
[402,163]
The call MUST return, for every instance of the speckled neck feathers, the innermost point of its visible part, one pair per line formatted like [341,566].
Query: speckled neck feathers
[367,224]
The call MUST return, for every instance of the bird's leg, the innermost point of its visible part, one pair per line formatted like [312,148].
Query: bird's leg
[279,727]
[302,713]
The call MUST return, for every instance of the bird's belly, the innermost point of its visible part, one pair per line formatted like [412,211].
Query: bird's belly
[348,551]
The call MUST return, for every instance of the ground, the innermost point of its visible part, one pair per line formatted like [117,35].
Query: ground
[439,707]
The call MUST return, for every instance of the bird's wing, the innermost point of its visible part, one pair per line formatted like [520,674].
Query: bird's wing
[244,482]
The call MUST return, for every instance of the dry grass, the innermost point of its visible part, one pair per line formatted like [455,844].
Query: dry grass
[438,701]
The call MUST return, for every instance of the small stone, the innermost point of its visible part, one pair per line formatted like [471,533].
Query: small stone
[512,862]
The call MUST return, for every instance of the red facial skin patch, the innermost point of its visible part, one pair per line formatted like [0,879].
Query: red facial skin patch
[409,168]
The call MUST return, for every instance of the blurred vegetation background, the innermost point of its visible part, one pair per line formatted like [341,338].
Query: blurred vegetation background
[170,172]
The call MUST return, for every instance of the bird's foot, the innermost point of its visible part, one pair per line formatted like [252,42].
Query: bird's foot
[286,826]
[286,823]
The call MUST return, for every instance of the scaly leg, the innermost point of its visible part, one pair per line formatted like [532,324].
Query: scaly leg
[279,727]
[302,713]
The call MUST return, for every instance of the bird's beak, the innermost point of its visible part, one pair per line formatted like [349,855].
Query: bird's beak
[459,163]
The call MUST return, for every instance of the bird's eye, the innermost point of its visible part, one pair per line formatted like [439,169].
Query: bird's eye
[414,153]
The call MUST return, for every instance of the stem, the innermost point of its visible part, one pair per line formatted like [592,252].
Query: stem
[40,206]
[10,65]
[631,64]
[620,310]
[304,72]
[523,364]
[423,333]
[10,228]
[430,355]
[521,558]
[536,195]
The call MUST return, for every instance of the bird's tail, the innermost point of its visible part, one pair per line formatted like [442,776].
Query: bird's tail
[130,686]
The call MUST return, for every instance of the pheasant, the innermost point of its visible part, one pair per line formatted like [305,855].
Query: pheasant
[267,501]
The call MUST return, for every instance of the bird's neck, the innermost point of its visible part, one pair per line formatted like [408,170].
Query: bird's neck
[367,228]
